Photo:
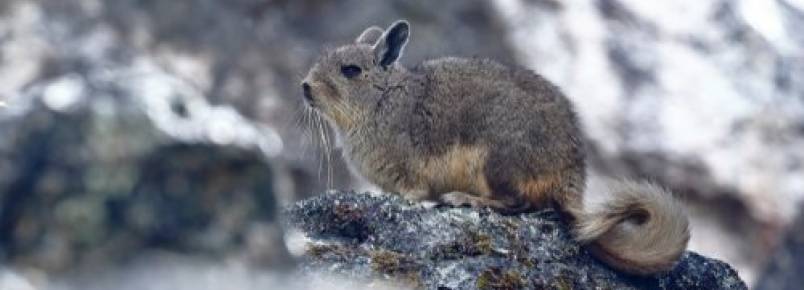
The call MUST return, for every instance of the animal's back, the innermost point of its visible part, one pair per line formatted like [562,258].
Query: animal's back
[528,126]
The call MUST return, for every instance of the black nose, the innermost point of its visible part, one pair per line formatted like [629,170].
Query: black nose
[308,95]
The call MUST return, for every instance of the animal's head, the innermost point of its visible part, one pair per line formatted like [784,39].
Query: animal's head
[345,82]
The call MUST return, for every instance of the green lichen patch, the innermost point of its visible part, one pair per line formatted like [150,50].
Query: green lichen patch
[471,245]
[481,242]
[561,283]
[331,250]
[401,267]
[390,262]
[496,279]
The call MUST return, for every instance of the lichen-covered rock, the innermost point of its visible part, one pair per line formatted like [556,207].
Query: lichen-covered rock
[382,236]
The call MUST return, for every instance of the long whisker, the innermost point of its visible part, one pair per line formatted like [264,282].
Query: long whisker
[327,150]
[330,146]
[306,129]
[298,120]
[324,144]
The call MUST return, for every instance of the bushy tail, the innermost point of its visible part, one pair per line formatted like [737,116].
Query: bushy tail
[635,227]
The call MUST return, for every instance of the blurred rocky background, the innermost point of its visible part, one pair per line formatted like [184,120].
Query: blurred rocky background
[147,141]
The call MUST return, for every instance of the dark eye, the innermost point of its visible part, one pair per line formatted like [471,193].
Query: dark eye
[350,71]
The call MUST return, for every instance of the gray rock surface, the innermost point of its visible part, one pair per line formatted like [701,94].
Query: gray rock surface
[373,237]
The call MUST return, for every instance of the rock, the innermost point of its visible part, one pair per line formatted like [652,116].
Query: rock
[94,172]
[786,265]
[375,237]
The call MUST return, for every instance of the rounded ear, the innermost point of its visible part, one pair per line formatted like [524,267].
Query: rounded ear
[369,36]
[389,47]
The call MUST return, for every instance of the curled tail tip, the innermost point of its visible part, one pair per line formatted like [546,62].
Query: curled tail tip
[636,227]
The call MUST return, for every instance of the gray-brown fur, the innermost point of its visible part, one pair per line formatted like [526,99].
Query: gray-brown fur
[473,131]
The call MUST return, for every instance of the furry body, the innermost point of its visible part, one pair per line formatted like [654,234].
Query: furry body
[475,132]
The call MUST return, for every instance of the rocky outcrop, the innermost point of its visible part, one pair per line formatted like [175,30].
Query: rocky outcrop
[92,173]
[369,236]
